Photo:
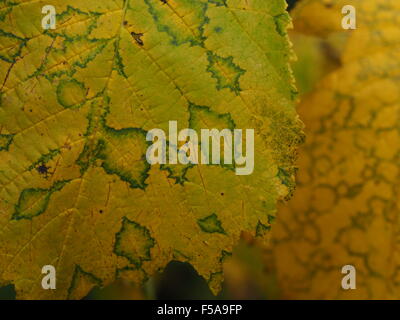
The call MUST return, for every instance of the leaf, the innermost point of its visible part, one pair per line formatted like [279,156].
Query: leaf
[76,191]
[346,207]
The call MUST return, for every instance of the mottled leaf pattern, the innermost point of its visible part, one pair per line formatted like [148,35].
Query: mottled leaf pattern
[75,105]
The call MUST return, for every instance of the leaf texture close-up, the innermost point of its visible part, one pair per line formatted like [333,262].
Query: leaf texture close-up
[76,102]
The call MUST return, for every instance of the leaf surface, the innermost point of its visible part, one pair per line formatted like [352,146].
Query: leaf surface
[76,103]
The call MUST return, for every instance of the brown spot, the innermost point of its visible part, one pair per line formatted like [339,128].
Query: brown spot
[138,38]
[43,170]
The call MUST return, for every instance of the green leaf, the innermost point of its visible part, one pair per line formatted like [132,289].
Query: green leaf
[76,105]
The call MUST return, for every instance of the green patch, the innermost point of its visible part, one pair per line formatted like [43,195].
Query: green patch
[5,141]
[119,64]
[72,15]
[5,11]
[281,23]
[284,135]
[211,224]
[97,111]
[179,29]
[285,177]
[202,117]
[81,61]
[33,202]
[71,93]
[81,282]
[262,229]
[225,71]
[45,158]
[133,242]
[177,172]
[14,45]
[124,154]
[72,40]
[91,152]
[121,151]
[271,219]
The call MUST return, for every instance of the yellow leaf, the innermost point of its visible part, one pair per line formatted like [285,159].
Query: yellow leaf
[77,101]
